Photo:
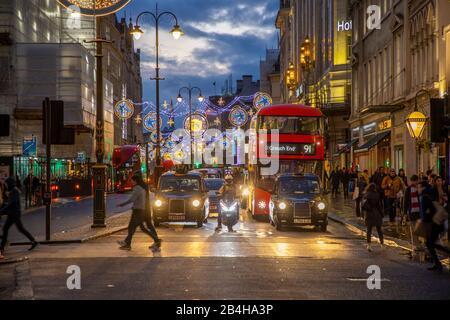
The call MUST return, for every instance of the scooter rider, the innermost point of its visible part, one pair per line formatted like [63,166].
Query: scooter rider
[226,192]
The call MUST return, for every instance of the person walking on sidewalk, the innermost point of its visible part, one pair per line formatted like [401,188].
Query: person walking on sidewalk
[373,212]
[358,193]
[391,185]
[138,215]
[335,178]
[345,181]
[411,209]
[428,210]
[13,210]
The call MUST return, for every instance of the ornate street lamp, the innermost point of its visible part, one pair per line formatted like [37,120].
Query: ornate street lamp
[290,77]
[415,122]
[176,32]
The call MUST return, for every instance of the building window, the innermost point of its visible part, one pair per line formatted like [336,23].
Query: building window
[398,65]
[398,158]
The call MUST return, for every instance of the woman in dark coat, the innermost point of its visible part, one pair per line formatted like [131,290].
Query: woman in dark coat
[372,207]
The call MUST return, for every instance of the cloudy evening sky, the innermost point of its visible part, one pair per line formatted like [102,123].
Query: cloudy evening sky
[223,37]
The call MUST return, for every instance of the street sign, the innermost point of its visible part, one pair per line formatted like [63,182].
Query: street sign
[29,147]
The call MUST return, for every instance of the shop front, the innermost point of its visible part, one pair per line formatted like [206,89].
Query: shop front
[375,151]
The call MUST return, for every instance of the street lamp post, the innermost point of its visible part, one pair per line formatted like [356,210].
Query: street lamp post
[415,122]
[99,169]
[200,99]
[176,33]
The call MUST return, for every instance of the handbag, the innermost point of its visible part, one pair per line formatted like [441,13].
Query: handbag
[441,214]
[422,229]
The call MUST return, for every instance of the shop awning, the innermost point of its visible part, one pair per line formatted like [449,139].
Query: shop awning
[347,147]
[372,142]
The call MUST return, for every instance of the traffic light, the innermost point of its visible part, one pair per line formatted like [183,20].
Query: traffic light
[59,134]
[439,120]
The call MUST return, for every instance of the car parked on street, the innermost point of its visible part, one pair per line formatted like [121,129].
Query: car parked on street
[297,200]
[180,198]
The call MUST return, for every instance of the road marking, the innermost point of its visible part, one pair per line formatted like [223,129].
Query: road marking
[365,279]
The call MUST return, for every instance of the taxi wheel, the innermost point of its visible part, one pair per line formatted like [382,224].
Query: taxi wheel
[199,224]
[156,223]
[277,224]
[323,227]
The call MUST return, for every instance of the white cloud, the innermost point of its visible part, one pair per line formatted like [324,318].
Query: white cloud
[179,57]
[234,28]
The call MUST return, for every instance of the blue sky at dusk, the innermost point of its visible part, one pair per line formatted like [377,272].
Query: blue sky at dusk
[223,37]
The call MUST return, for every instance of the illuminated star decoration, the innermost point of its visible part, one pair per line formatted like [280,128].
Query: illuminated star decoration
[221,102]
[250,113]
[217,122]
[124,109]
[165,104]
[171,123]
[262,100]
[150,121]
[238,116]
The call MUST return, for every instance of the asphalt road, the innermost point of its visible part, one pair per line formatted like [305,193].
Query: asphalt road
[69,214]
[257,262]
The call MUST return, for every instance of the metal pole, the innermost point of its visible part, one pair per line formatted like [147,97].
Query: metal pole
[48,202]
[99,168]
[190,126]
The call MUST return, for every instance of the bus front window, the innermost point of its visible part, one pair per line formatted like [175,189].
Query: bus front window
[292,125]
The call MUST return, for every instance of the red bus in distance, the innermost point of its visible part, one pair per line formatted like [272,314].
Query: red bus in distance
[126,162]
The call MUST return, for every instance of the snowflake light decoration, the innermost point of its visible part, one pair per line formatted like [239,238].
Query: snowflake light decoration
[238,116]
[262,100]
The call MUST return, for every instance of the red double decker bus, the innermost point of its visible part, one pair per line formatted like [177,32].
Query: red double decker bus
[300,149]
[127,162]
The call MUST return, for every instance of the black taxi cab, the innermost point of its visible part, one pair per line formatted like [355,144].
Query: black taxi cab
[297,200]
[180,197]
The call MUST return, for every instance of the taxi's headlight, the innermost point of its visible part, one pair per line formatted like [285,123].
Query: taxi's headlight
[158,203]
[321,206]
[245,192]
[282,205]
[196,203]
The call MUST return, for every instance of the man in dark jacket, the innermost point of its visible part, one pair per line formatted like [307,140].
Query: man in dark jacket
[427,211]
[335,178]
[345,181]
[13,210]
[373,213]
[411,208]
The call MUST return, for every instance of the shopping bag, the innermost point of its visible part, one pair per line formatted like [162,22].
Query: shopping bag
[441,214]
[422,229]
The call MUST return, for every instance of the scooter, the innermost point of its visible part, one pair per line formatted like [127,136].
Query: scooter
[229,209]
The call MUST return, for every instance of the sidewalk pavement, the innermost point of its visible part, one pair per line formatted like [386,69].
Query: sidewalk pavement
[343,211]
[17,252]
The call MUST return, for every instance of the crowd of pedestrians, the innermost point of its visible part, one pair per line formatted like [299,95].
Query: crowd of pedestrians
[419,203]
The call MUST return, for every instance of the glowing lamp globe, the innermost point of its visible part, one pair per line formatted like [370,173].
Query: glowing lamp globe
[415,123]
[177,32]
[95,7]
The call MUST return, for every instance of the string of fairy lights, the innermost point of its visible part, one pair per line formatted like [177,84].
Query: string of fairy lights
[240,110]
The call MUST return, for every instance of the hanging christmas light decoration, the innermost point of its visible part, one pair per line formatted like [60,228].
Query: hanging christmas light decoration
[138,119]
[238,117]
[95,7]
[217,122]
[262,100]
[124,109]
[150,121]
[199,124]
